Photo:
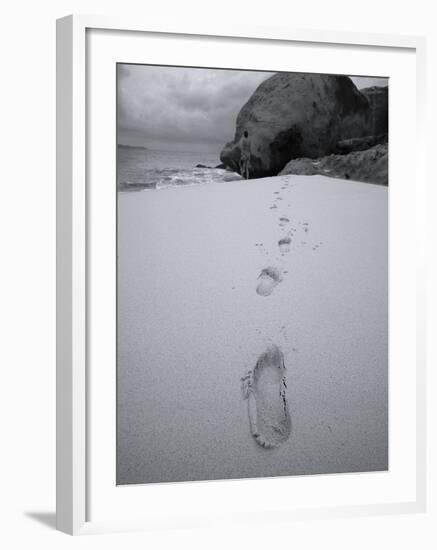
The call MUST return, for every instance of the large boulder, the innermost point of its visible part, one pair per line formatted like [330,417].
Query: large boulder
[294,115]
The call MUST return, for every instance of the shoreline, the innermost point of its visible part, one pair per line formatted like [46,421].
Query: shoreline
[235,177]
[366,166]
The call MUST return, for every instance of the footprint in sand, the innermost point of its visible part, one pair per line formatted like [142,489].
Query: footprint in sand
[284,245]
[267,281]
[265,389]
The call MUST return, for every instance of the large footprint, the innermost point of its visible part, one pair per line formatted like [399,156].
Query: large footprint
[265,389]
[267,280]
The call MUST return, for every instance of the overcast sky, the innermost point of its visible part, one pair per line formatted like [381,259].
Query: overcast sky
[173,108]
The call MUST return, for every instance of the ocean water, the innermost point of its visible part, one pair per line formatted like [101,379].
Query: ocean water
[166,168]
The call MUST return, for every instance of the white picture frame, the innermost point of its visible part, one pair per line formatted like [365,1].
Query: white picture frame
[74,340]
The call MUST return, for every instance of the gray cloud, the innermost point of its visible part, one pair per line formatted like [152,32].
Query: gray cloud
[179,107]
[367,81]
[184,108]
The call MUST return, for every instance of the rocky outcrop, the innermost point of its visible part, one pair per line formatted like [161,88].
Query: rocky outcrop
[218,167]
[377,97]
[293,115]
[370,166]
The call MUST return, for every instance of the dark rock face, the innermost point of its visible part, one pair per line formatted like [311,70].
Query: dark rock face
[377,97]
[298,115]
[360,144]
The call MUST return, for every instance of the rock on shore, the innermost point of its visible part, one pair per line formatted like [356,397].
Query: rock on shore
[370,166]
[292,115]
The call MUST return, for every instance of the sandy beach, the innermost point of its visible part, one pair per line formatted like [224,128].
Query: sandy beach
[191,323]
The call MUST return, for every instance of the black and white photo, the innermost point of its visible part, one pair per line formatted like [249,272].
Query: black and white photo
[252,274]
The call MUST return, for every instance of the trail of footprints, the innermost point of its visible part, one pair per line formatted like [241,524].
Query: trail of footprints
[271,276]
[265,386]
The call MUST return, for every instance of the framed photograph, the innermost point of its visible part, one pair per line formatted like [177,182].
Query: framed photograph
[240,275]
